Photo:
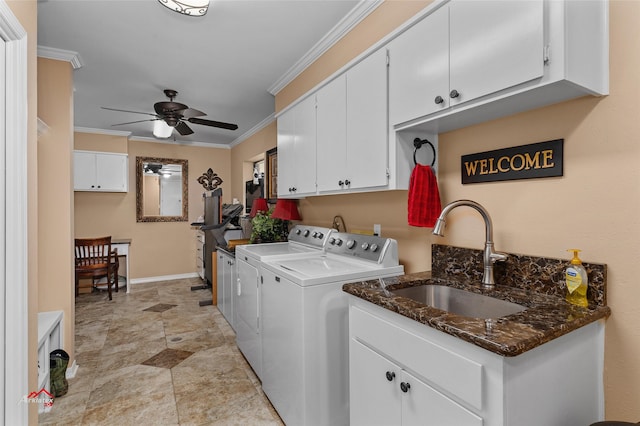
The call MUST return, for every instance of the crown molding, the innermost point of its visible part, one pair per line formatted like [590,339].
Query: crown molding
[61,55]
[102,131]
[346,24]
[255,129]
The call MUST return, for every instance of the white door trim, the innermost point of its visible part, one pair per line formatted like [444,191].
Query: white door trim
[13,198]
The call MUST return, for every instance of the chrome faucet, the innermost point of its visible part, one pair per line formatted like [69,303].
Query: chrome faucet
[490,256]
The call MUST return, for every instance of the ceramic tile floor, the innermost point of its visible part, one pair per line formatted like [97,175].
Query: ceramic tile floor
[155,357]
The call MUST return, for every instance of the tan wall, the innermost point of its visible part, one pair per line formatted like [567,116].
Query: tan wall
[157,249]
[594,206]
[55,199]
[27,14]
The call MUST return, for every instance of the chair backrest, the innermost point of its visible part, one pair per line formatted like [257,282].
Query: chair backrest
[93,252]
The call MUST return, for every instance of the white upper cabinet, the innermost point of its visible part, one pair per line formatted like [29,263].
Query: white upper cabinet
[367,123]
[466,62]
[352,128]
[297,150]
[462,51]
[331,114]
[100,171]
[494,45]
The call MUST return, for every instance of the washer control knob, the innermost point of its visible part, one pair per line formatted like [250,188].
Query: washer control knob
[351,244]
[320,235]
[332,241]
[338,242]
[374,247]
[315,234]
[306,233]
[298,231]
[365,246]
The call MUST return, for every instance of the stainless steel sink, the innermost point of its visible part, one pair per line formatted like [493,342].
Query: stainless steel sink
[459,302]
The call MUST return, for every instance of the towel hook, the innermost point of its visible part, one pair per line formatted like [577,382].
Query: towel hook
[417,143]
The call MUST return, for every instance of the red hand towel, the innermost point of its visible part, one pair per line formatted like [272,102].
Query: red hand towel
[424,197]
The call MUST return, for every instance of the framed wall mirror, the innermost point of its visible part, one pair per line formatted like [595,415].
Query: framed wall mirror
[162,191]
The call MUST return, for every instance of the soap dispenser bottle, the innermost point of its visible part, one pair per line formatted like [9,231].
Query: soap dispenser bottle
[577,281]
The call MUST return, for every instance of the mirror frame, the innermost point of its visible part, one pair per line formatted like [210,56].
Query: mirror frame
[140,217]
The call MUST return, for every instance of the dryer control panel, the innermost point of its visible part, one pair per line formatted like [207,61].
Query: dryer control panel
[366,247]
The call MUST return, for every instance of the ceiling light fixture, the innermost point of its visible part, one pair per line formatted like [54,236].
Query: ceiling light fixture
[187,7]
[161,130]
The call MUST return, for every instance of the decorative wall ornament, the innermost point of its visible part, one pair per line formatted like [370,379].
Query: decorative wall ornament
[209,180]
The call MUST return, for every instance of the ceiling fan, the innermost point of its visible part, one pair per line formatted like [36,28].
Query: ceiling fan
[175,115]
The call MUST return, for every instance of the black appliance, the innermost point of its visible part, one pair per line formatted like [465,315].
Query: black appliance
[216,218]
[253,191]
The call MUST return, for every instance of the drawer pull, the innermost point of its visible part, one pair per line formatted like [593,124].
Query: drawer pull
[391,375]
[405,387]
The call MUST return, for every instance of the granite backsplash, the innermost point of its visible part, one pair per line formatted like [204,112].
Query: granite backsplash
[539,274]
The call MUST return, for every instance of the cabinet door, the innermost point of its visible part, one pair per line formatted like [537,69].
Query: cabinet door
[331,113]
[305,147]
[367,123]
[247,311]
[423,405]
[111,172]
[494,45]
[221,259]
[84,171]
[373,398]
[297,149]
[286,154]
[419,69]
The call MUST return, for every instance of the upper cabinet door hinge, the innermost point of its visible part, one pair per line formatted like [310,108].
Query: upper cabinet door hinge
[546,54]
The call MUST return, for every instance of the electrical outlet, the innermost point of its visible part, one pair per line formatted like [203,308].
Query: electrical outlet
[377,230]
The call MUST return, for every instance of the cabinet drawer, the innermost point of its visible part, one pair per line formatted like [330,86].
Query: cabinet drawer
[438,365]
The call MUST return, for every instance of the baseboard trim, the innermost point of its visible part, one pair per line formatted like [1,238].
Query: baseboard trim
[163,278]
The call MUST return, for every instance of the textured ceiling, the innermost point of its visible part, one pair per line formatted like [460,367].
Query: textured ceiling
[222,64]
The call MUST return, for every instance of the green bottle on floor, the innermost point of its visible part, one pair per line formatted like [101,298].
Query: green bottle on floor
[58,361]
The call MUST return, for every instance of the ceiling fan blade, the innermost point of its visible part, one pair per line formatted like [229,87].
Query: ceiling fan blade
[124,110]
[190,113]
[138,121]
[212,123]
[183,129]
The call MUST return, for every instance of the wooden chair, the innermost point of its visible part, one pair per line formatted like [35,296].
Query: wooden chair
[94,259]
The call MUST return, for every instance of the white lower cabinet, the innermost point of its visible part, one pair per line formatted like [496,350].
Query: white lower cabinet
[403,372]
[226,279]
[383,393]
[247,304]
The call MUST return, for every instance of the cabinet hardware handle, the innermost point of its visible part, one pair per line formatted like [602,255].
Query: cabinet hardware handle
[438,100]
[347,182]
[277,279]
[454,93]
[405,387]
[391,375]
[340,183]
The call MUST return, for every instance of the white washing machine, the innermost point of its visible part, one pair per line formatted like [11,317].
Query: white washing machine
[303,241]
[305,330]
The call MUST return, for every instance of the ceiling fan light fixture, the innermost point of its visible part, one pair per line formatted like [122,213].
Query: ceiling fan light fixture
[187,7]
[161,130]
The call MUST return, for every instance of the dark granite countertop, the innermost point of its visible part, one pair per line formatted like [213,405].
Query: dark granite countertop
[547,317]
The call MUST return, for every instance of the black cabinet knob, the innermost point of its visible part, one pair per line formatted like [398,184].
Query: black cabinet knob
[454,93]
[391,375]
[347,182]
[405,387]
[438,100]
[340,183]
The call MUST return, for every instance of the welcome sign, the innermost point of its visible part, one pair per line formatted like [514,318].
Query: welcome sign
[537,160]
